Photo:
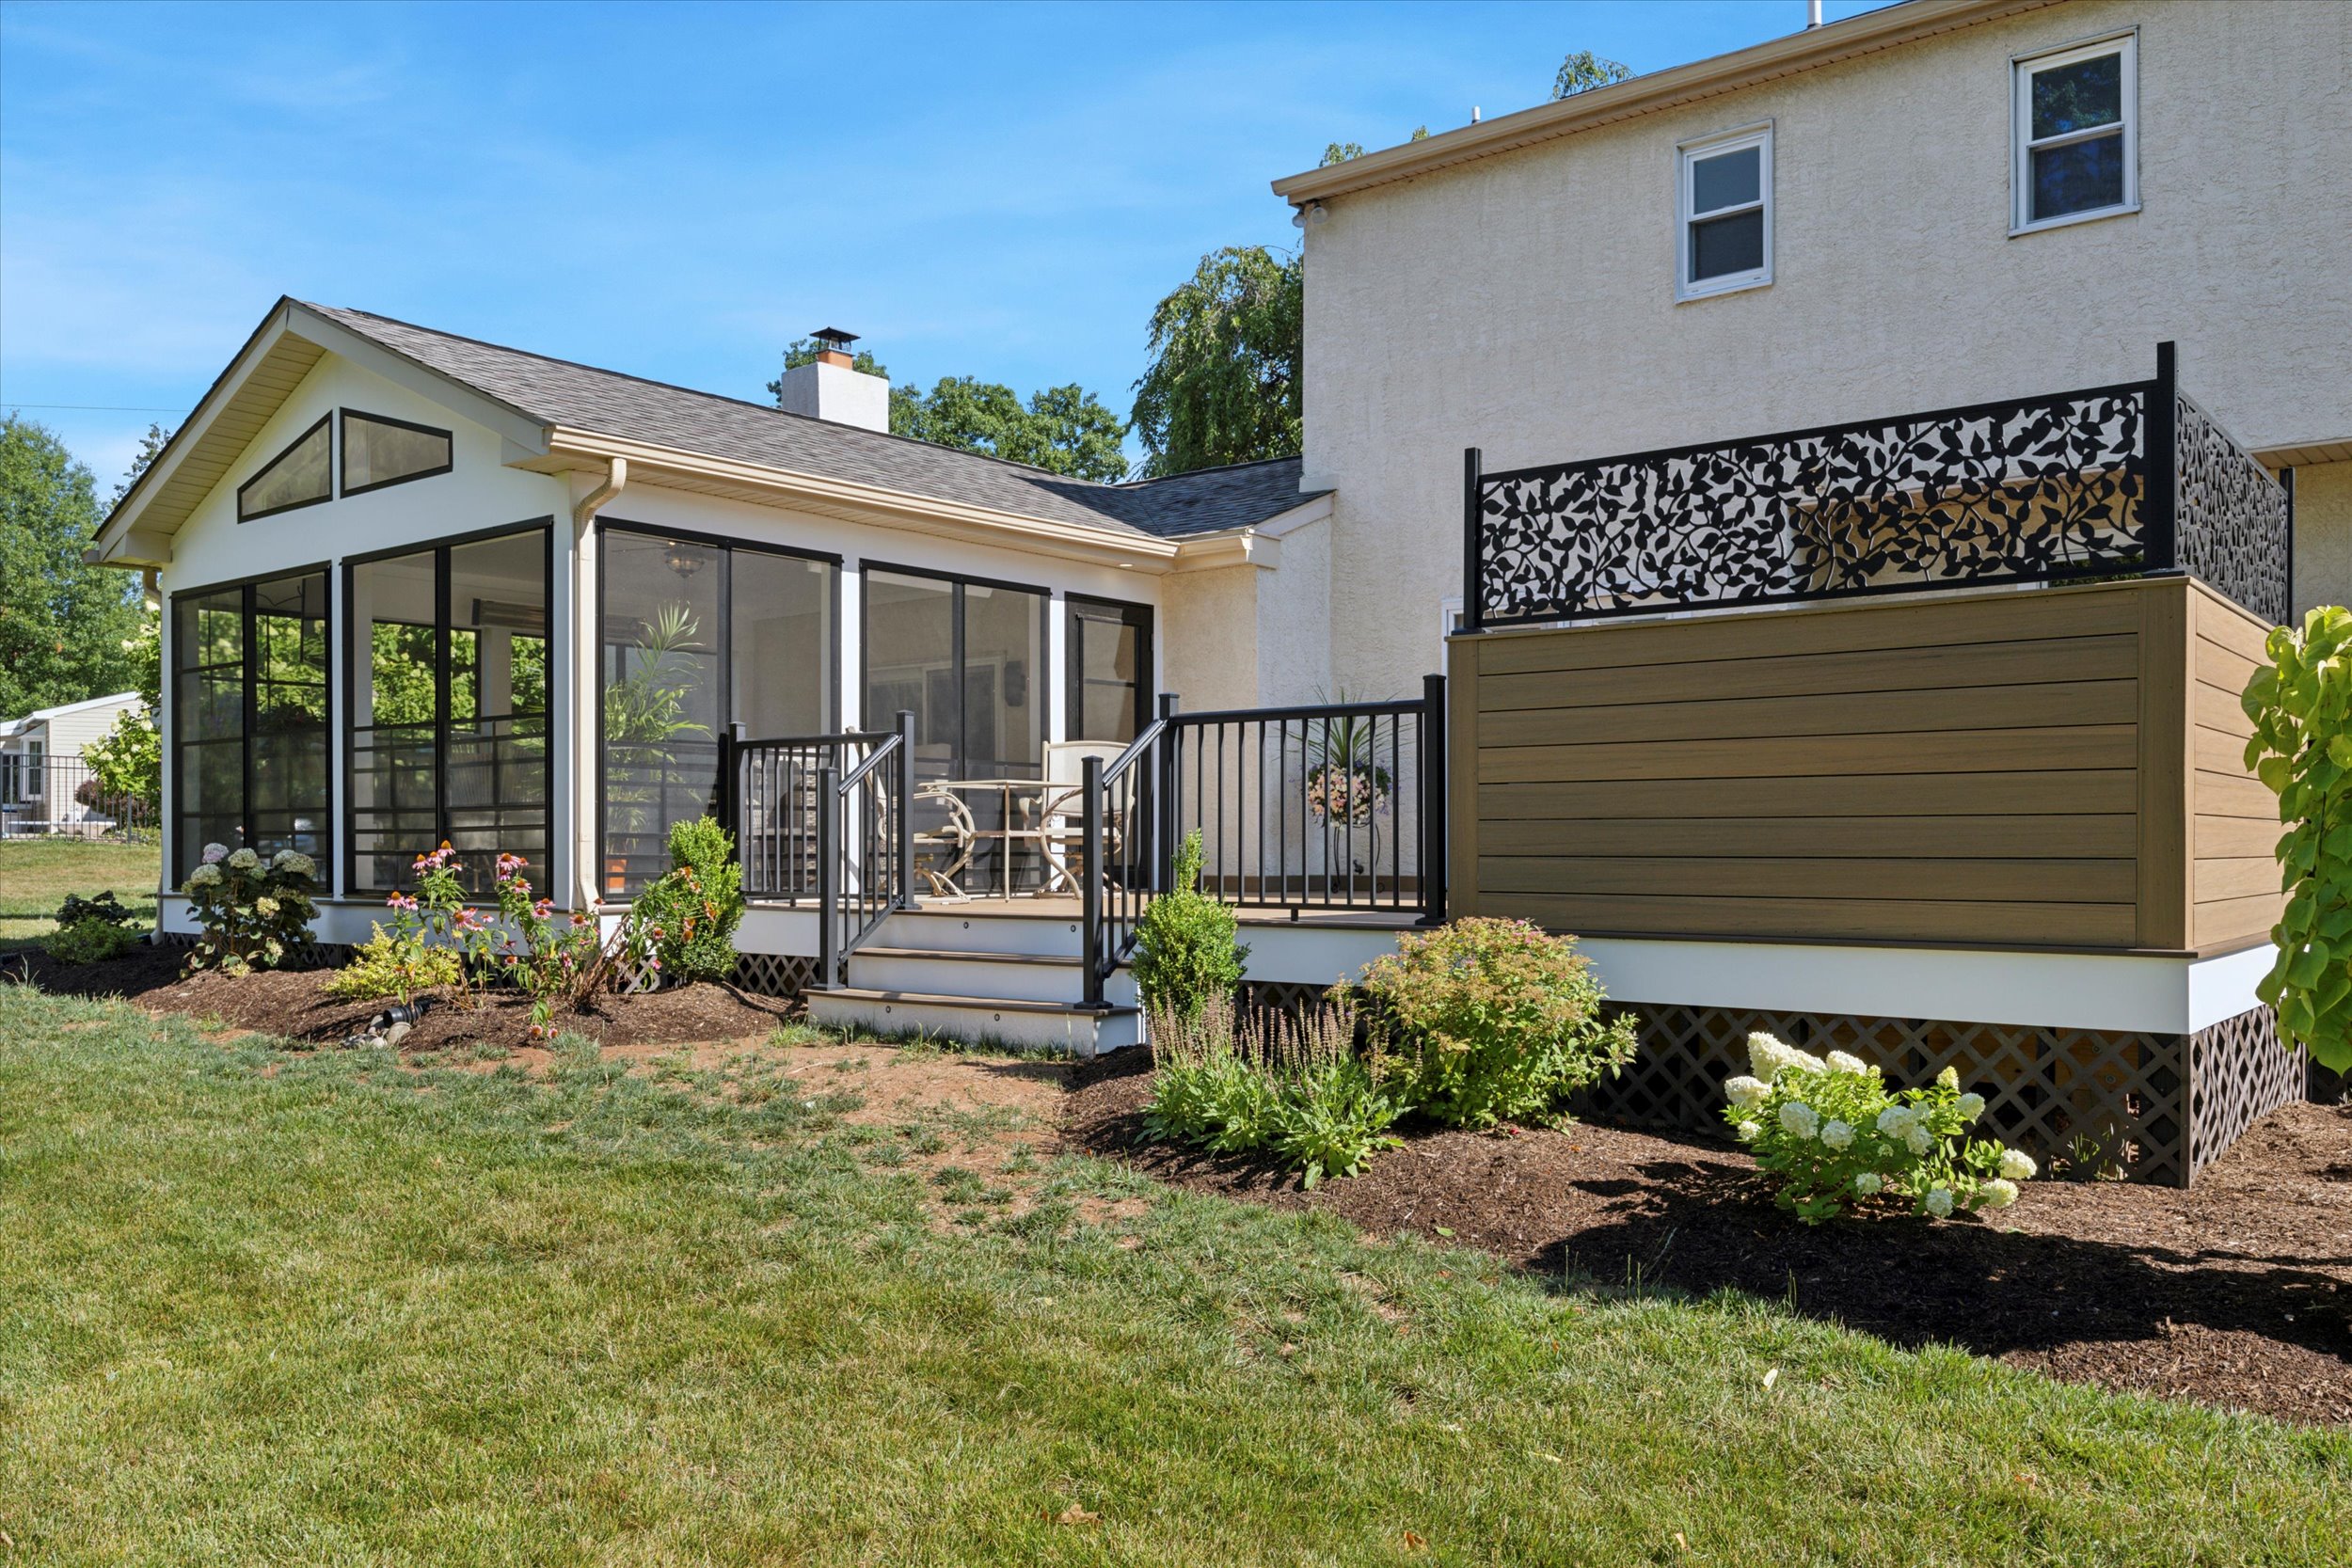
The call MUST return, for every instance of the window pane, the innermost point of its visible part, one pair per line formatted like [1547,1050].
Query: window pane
[496,762]
[2080,177]
[290,804]
[781,658]
[295,476]
[1720,248]
[1729,180]
[662,626]
[2077,97]
[208,725]
[1107,654]
[395,778]
[909,654]
[1004,649]
[375,453]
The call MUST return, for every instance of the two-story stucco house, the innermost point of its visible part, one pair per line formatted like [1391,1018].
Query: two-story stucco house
[1912,727]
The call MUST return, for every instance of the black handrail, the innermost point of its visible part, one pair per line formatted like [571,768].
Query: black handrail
[863,876]
[1117,875]
[772,799]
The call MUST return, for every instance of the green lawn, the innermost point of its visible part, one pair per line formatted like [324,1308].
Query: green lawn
[267,1306]
[36,874]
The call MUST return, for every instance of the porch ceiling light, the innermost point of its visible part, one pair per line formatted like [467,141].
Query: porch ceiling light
[684,560]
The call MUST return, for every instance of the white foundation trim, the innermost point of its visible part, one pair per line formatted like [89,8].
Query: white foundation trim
[2057,991]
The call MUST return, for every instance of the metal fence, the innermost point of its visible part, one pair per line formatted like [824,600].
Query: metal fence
[2104,481]
[44,797]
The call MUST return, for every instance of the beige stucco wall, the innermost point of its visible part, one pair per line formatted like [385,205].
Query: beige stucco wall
[2323,535]
[1524,303]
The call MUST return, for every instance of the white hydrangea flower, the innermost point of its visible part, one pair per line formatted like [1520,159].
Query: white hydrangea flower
[1770,1058]
[1869,1183]
[1744,1091]
[1837,1135]
[204,875]
[244,859]
[1801,1118]
[1970,1105]
[214,853]
[294,861]
[1895,1121]
[2017,1166]
[1748,1131]
[1919,1140]
[1949,1077]
[1999,1193]
[1846,1061]
[1939,1202]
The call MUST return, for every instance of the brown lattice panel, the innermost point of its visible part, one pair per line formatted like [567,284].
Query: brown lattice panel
[2109,1101]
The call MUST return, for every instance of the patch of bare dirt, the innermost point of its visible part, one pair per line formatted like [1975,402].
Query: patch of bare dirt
[2237,1292]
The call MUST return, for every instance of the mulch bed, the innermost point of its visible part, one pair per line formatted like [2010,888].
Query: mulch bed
[295,1004]
[2237,1292]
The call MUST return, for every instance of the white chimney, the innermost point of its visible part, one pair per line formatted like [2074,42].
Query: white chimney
[831,388]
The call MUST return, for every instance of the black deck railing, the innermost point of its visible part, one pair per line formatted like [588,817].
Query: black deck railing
[2106,481]
[864,848]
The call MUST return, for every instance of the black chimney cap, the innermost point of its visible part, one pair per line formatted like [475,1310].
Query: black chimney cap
[832,337]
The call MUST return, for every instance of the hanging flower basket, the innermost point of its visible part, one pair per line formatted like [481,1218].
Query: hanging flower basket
[1341,794]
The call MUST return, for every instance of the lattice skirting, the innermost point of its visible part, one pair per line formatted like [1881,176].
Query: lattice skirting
[299,955]
[2158,1107]
[1281,996]
[775,974]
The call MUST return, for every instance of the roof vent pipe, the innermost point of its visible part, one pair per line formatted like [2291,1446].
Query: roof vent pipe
[1812,14]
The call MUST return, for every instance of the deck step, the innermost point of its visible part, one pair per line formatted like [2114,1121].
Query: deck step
[980,1019]
[1049,977]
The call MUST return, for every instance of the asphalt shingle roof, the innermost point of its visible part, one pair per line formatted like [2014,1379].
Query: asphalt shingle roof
[557,392]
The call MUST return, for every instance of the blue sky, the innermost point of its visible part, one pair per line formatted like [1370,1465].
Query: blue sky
[677,190]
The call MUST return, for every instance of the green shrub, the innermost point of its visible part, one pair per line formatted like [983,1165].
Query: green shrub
[251,909]
[685,922]
[93,938]
[1494,1021]
[1185,951]
[394,966]
[1293,1087]
[2301,704]
[105,907]
[1830,1138]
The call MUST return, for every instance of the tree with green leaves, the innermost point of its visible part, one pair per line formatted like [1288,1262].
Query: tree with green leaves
[1583,71]
[151,447]
[1227,348]
[63,622]
[1064,430]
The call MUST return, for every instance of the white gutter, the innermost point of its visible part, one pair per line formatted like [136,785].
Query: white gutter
[586,719]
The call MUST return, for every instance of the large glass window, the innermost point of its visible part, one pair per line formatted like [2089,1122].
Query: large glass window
[302,475]
[1108,647]
[698,635]
[379,451]
[450,710]
[2077,115]
[966,658]
[248,720]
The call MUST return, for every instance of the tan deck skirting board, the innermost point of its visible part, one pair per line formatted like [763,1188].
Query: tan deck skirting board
[2056,768]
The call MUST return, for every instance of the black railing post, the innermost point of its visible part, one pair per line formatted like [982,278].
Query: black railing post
[1473,542]
[2286,600]
[1091,882]
[905,816]
[1164,799]
[729,804]
[828,876]
[2160,546]
[1433,826]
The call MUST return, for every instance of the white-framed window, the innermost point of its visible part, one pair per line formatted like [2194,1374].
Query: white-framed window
[1723,212]
[2074,128]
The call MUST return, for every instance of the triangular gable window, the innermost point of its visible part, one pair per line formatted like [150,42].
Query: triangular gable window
[299,476]
[379,451]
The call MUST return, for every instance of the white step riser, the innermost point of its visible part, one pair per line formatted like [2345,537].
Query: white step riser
[976,978]
[1082,1033]
[949,930]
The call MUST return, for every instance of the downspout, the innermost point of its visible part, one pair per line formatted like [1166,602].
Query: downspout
[587,726]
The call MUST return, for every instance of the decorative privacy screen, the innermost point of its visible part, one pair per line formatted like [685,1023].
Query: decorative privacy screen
[2032,490]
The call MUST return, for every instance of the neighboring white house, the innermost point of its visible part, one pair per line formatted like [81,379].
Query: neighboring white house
[42,772]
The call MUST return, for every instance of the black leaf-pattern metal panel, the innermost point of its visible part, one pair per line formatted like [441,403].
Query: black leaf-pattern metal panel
[2233,515]
[2040,489]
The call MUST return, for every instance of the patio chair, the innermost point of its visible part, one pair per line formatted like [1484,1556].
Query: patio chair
[1061,812]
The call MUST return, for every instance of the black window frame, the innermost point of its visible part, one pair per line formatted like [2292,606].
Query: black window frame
[723,640]
[440,549]
[334,461]
[1074,670]
[244,587]
[959,579]
[342,450]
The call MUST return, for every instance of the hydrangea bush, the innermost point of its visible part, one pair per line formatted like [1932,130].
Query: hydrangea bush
[1832,1137]
[252,910]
